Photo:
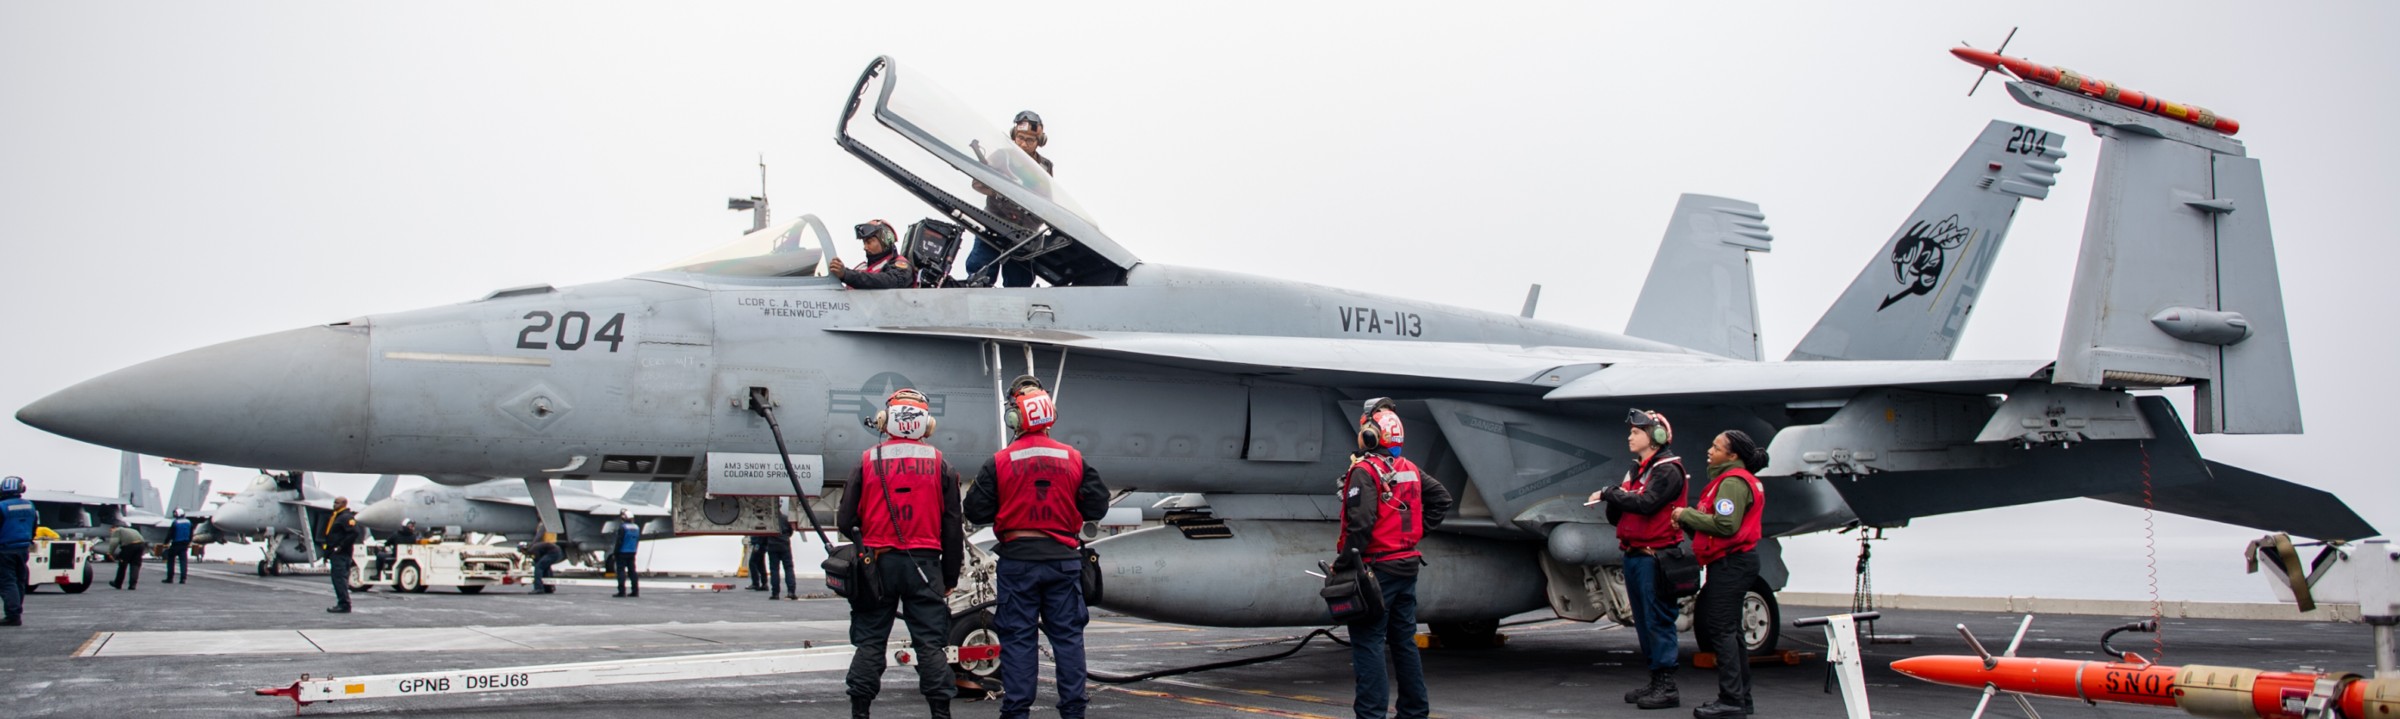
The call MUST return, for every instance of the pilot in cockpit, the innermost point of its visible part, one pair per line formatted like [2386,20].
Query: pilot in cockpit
[885,269]
[1029,135]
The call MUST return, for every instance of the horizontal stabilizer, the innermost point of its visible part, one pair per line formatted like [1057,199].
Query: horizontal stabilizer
[1699,294]
[2238,496]
[651,494]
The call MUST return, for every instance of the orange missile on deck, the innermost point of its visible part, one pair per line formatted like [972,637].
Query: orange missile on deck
[2225,692]
[2095,87]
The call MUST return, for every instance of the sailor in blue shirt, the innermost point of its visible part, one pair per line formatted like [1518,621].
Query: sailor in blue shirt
[629,540]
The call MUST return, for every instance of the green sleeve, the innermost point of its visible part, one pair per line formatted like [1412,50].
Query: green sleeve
[1705,519]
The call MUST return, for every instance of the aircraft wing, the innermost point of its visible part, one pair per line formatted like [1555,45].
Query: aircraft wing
[1741,382]
[1572,373]
[1336,358]
[57,497]
[579,505]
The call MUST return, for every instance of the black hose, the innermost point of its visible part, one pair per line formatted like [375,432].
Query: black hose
[2146,625]
[1111,678]
[759,404]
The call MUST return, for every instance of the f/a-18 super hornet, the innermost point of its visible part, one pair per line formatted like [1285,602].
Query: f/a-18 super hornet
[286,511]
[502,508]
[669,375]
[136,504]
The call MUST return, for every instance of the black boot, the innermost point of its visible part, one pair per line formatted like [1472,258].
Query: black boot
[941,707]
[858,707]
[1644,690]
[1719,709]
[1664,696]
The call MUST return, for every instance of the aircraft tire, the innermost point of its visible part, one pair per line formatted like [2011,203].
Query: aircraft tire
[1762,620]
[975,628]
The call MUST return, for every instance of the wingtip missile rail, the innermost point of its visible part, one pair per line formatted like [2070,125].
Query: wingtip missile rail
[2104,90]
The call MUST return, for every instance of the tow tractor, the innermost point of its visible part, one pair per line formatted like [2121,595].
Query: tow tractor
[417,567]
[64,562]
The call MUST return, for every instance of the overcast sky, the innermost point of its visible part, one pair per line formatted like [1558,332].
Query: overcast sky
[175,175]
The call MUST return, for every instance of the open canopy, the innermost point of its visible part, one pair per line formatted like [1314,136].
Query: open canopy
[1069,248]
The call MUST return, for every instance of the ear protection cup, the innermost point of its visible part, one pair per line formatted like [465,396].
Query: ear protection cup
[1662,433]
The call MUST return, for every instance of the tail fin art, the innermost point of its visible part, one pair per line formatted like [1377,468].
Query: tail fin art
[1912,300]
[1699,293]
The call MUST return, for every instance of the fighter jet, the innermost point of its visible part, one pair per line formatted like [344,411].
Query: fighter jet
[501,507]
[137,504]
[1244,389]
[287,512]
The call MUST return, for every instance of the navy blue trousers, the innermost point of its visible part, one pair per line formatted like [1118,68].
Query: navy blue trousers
[1653,613]
[1392,635]
[1047,596]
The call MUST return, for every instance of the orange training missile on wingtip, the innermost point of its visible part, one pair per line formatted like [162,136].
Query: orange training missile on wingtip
[2198,690]
[2097,88]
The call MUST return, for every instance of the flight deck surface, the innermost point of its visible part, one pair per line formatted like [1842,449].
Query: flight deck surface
[199,649]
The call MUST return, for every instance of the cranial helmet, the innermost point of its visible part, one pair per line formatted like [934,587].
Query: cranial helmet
[1379,424]
[178,514]
[905,414]
[12,486]
[1661,433]
[625,513]
[408,522]
[1029,407]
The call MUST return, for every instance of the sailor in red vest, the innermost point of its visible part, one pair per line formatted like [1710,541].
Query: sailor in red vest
[885,269]
[902,510]
[1037,494]
[1725,531]
[1642,508]
[1387,504]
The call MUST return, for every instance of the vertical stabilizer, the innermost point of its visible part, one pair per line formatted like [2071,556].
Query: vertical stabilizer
[1699,294]
[129,478]
[187,493]
[382,489]
[1912,300]
[2176,282]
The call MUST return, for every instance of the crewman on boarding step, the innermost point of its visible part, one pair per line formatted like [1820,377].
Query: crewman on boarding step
[1037,493]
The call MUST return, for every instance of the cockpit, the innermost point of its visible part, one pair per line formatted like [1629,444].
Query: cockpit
[957,154]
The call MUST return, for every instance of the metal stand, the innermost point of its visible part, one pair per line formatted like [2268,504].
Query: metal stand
[1843,662]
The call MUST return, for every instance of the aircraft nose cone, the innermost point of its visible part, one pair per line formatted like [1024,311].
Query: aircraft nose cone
[289,400]
[385,516]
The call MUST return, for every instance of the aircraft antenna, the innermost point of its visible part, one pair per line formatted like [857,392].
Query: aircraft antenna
[764,216]
[2012,35]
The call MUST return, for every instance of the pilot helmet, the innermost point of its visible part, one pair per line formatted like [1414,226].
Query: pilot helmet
[877,229]
[1031,121]
[12,486]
